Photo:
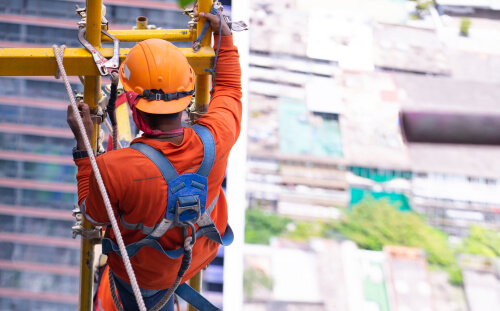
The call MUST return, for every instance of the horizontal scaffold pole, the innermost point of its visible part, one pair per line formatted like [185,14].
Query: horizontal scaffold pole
[78,61]
[144,34]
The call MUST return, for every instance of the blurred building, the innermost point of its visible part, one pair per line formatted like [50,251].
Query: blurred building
[337,275]
[39,261]
[296,158]
[357,65]
[409,288]
[481,282]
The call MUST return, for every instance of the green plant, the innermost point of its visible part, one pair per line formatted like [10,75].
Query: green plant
[481,241]
[423,5]
[260,226]
[253,279]
[455,275]
[184,3]
[464,27]
[375,223]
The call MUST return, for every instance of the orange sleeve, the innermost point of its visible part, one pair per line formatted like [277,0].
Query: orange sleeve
[82,178]
[88,191]
[225,108]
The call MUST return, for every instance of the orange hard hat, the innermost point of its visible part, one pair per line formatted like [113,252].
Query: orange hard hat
[159,72]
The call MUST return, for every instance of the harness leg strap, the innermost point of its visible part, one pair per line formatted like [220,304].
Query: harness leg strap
[194,298]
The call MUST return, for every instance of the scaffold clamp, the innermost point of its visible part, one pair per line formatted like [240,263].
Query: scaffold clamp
[77,229]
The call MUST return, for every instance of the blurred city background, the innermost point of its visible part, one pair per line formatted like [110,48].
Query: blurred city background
[340,213]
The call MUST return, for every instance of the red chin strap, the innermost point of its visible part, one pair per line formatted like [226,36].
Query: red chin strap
[132,99]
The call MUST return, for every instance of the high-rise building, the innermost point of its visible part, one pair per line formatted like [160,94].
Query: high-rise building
[39,261]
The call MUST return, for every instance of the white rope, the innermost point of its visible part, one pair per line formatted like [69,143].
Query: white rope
[61,53]
[100,182]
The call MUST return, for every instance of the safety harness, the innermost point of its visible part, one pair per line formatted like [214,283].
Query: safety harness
[186,207]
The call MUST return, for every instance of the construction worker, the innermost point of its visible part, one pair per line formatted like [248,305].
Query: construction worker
[137,191]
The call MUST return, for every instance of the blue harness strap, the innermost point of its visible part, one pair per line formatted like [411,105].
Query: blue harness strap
[194,298]
[185,190]
[209,148]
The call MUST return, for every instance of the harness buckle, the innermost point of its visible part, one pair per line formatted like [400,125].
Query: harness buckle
[190,208]
[158,96]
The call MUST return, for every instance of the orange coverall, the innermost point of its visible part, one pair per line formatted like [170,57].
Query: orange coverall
[138,192]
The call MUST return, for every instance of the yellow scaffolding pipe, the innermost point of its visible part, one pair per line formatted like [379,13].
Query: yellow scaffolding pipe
[78,61]
[202,98]
[91,95]
[202,90]
[143,34]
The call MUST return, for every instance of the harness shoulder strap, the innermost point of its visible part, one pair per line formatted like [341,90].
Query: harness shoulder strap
[209,149]
[159,159]
[167,169]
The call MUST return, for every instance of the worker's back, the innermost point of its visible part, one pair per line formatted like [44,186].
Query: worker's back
[139,193]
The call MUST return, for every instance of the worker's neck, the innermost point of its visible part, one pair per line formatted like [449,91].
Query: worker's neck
[164,123]
[167,126]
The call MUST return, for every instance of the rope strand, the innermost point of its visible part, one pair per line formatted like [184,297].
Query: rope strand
[100,182]
[112,288]
[186,262]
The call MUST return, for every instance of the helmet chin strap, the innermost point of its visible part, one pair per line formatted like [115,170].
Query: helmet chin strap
[132,99]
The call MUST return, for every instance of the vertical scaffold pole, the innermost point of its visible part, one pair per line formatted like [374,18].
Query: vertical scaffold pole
[202,83]
[202,98]
[91,94]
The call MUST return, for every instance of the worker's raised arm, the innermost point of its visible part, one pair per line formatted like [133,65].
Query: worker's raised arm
[225,110]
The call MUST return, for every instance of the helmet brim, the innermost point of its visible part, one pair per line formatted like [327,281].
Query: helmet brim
[159,106]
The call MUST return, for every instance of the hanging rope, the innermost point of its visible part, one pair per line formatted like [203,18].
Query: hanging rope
[112,288]
[186,262]
[61,53]
[112,133]
[112,107]
[100,182]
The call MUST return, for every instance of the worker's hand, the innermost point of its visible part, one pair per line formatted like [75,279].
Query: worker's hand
[214,21]
[84,111]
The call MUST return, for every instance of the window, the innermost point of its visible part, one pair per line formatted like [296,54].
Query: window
[50,35]
[35,89]
[52,8]
[7,303]
[42,254]
[47,89]
[9,114]
[48,172]
[8,169]
[10,32]
[48,199]
[41,117]
[7,196]
[160,18]
[11,6]
[39,282]
[38,171]
[36,144]
[38,198]
[36,226]
[9,86]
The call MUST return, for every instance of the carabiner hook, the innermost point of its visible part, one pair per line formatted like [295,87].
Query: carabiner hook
[185,231]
